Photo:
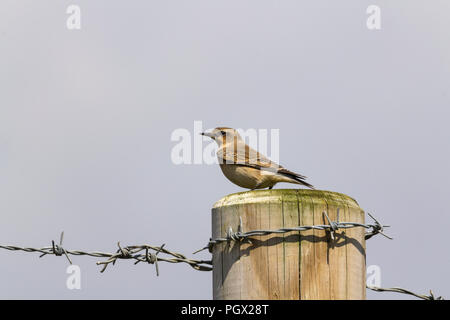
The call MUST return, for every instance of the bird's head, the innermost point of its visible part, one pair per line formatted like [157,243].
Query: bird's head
[222,135]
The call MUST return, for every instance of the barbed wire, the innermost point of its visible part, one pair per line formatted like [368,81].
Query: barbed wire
[404,291]
[139,253]
[150,254]
[332,227]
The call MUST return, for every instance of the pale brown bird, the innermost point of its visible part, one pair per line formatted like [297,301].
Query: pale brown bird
[245,166]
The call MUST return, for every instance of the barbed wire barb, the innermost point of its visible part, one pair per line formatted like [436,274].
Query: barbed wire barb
[333,225]
[152,258]
[377,228]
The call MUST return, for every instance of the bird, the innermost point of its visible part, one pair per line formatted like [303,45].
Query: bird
[245,166]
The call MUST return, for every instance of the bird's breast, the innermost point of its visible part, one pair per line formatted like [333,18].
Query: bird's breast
[244,177]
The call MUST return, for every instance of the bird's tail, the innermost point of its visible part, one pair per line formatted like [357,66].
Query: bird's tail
[303,182]
[297,177]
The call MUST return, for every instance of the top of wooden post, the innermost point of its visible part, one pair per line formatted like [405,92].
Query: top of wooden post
[294,195]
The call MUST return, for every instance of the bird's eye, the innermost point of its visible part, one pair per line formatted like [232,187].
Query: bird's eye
[223,132]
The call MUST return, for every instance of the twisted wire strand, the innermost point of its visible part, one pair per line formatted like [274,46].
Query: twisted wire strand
[404,291]
[134,252]
[333,226]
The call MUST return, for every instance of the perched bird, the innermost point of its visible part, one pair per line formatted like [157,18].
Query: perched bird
[245,166]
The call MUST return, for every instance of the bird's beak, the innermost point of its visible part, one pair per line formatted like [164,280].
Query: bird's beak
[207,134]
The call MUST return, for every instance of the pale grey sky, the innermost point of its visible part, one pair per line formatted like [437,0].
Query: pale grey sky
[86,118]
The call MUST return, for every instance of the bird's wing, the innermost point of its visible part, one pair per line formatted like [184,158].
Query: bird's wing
[243,155]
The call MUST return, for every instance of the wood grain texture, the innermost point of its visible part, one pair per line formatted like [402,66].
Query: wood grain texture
[308,274]
[320,243]
[337,254]
[291,217]
[217,254]
[356,256]
[294,265]
[275,250]
[231,272]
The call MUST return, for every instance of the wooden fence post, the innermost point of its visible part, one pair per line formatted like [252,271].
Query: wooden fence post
[295,265]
